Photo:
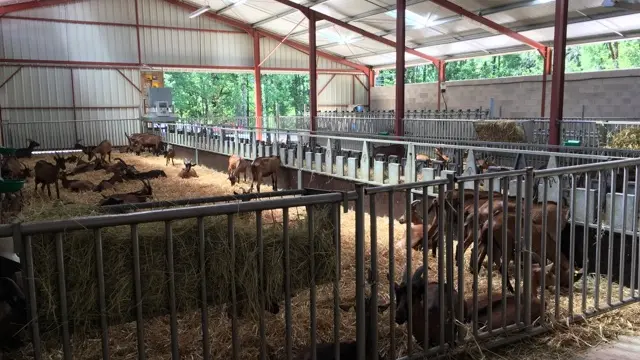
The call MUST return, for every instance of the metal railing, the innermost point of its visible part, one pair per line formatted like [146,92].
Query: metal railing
[566,223]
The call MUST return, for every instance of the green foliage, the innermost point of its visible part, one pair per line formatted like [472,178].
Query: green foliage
[209,95]
[590,57]
[206,95]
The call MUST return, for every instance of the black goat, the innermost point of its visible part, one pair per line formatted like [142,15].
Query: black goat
[151,174]
[27,152]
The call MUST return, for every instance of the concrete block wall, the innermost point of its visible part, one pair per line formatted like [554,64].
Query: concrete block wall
[602,94]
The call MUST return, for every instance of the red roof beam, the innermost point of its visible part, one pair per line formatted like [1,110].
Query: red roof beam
[320,16]
[490,24]
[32,5]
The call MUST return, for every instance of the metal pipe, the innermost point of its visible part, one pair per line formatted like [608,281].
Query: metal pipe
[313,73]
[360,283]
[557,84]
[408,278]
[235,346]
[66,341]
[335,214]
[257,78]
[400,66]
[135,244]
[102,302]
[206,346]
[373,306]
[392,272]
[168,231]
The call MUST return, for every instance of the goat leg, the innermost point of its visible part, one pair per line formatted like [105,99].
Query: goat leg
[57,191]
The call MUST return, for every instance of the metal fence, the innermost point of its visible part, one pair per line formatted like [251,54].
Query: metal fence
[566,223]
[58,135]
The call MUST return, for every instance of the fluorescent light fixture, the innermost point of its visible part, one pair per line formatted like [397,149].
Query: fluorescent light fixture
[414,20]
[238,2]
[200,11]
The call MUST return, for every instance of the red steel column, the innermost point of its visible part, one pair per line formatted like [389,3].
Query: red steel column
[138,33]
[313,72]
[258,83]
[400,45]
[557,84]
[442,77]
[546,70]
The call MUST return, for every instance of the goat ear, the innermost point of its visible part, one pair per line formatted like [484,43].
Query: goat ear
[346,307]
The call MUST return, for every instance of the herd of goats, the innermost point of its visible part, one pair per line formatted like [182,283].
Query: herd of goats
[494,215]
[46,173]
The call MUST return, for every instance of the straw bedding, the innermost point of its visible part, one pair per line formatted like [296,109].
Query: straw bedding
[628,138]
[563,343]
[499,131]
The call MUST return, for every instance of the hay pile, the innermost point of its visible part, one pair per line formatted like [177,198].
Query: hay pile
[560,343]
[499,131]
[628,138]
[79,250]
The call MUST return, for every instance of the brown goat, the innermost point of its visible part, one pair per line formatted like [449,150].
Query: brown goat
[537,212]
[47,173]
[12,168]
[441,156]
[503,256]
[104,149]
[75,185]
[103,185]
[237,166]
[349,349]
[265,166]
[187,171]
[151,141]
[135,197]
[169,155]
[432,306]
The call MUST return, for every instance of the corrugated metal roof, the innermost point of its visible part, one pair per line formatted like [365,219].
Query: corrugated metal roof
[435,31]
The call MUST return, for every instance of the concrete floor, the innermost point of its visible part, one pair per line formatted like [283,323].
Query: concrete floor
[625,348]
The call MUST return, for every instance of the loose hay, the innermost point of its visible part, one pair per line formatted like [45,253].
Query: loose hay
[628,138]
[499,131]
[562,342]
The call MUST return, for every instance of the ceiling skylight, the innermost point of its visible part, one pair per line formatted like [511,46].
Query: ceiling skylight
[414,20]
[336,37]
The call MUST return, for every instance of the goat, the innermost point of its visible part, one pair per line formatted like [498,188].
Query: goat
[86,150]
[451,211]
[135,197]
[104,149]
[148,175]
[13,308]
[503,256]
[28,151]
[397,150]
[169,155]
[498,207]
[47,174]
[72,159]
[349,349]
[187,171]
[12,168]
[75,185]
[145,141]
[103,185]
[265,166]
[83,168]
[441,156]
[237,166]
[431,304]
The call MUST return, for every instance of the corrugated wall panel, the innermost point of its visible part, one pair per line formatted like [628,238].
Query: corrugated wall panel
[158,12]
[48,127]
[161,46]
[37,40]
[121,11]
[107,43]
[338,91]
[328,64]
[105,87]
[288,57]
[34,40]
[283,57]
[361,92]
[111,126]
[50,87]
